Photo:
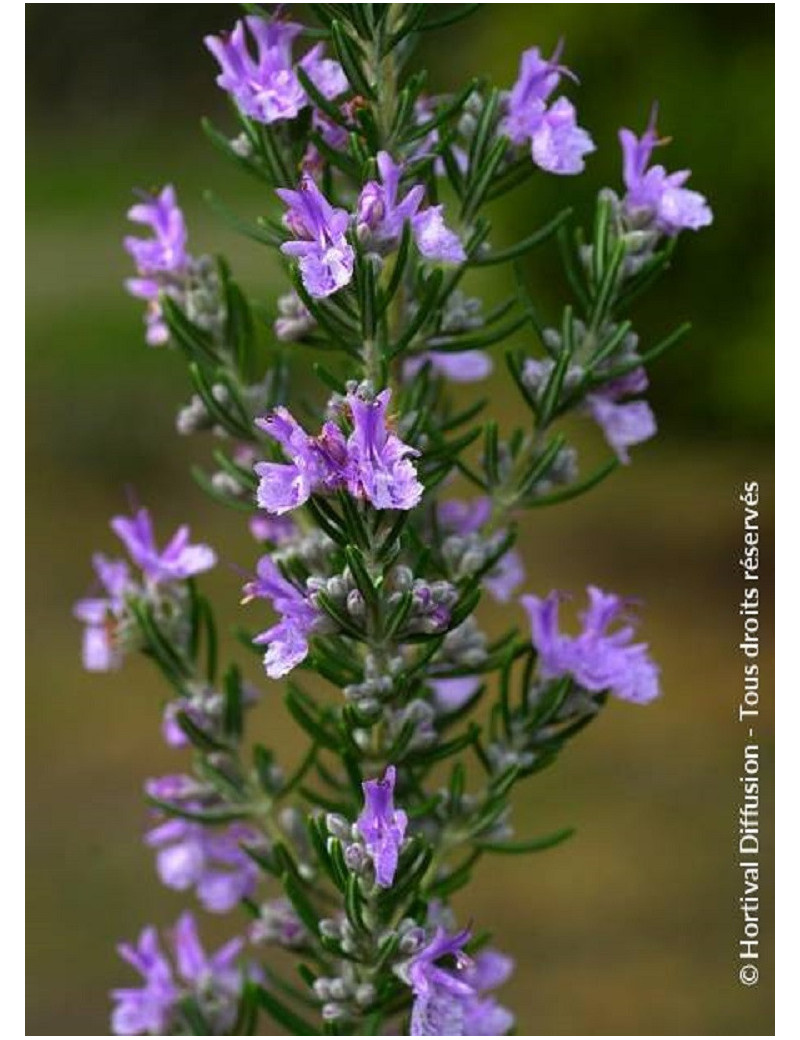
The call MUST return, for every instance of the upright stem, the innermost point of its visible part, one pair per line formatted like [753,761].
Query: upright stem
[385,76]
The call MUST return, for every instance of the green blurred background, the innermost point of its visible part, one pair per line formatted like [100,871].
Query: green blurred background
[632,926]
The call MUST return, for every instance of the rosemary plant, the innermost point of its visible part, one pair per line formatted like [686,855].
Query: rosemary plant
[373,573]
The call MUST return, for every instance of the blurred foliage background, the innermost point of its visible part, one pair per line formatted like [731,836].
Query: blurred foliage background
[632,927]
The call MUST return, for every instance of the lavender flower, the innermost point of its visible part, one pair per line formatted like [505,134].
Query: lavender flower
[379,466]
[463,516]
[162,262]
[102,615]
[558,144]
[505,577]
[450,1000]
[465,366]
[450,695]
[266,86]
[382,827]
[153,1009]
[179,559]
[373,463]
[176,787]
[380,216]
[171,731]
[484,1016]
[276,530]
[318,463]
[326,257]
[654,194]
[212,862]
[110,626]
[286,642]
[434,239]
[597,659]
[623,424]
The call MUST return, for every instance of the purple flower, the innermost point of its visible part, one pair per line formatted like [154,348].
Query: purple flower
[176,562]
[171,731]
[450,999]
[623,424]
[265,86]
[161,261]
[505,577]
[538,77]
[484,1016]
[175,787]
[372,463]
[382,827]
[464,516]
[558,144]
[462,367]
[212,862]
[196,967]
[434,239]
[597,659]
[149,1008]
[287,641]
[326,257]
[654,193]
[165,253]
[152,1009]
[101,615]
[450,695]
[317,463]
[379,468]
[272,529]
[380,216]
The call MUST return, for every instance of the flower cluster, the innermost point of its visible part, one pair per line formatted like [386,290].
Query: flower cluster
[191,856]
[597,660]
[386,510]
[654,196]
[162,263]
[287,641]
[107,618]
[450,988]
[371,464]
[557,143]
[320,241]
[155,1008]
[624,423]
[265,85]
